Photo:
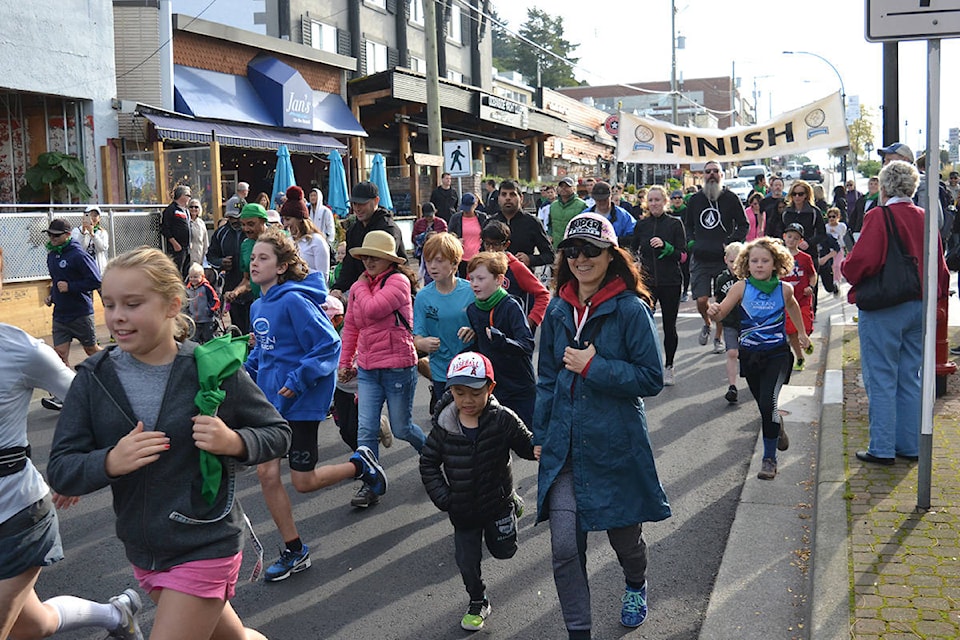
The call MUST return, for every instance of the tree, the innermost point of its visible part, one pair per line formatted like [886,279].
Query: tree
[861,133]
[547,32]
[503,50]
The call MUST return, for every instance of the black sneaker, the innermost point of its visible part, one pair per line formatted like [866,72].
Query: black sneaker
[365,497]
[732,394]
[783,442]
[52,402]
[955,351]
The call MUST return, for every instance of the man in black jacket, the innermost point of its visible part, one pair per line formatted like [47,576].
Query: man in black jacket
[715,217]
[526,232]
[175,227]
[769,206]
[445,198]
[365,204]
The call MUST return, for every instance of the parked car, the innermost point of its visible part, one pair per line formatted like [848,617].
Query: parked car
[811,173]
[740,186]
[792,171]
[750,172]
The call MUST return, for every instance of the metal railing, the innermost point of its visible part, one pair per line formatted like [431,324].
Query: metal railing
[23,233]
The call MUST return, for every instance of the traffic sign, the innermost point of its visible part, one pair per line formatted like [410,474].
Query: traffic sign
[612,125]
[457,157]
[891,20]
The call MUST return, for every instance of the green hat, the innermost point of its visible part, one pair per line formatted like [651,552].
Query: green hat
[253,210]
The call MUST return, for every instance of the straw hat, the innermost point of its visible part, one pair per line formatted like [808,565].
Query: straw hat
[378,244]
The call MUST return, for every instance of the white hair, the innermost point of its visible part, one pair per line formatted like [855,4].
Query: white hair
[243,187]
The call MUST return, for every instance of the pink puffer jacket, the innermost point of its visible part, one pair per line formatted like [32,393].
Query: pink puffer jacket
[371,331]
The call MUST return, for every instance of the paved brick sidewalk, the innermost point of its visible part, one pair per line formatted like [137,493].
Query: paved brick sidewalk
[905,571]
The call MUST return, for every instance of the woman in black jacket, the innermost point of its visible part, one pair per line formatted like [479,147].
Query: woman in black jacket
[659,241]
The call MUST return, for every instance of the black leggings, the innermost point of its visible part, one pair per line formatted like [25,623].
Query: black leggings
[668,296]
[765,376]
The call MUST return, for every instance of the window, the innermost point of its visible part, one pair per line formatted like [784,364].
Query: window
[418,64]
[323,37]
[416,12]
[456,76]
[376,57]
[377,3]
[453,25]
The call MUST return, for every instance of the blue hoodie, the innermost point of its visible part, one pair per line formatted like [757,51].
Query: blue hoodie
[297,348]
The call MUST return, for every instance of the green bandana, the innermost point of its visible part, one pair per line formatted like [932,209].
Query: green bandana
[59,249]
[491,302]
[873,196]
[767,286]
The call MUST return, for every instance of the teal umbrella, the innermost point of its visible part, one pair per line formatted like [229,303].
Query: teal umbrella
[378,176]
[338,196]
[283,178]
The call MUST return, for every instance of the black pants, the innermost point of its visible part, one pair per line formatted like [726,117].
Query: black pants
[182,260]
[240,315]
[501,538]
[685,270]
[346,416]
[826,276]
[766,374]
[668,296]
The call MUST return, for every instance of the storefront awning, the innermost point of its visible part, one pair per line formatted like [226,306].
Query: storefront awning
[224,96]
[240,135]
[332,115]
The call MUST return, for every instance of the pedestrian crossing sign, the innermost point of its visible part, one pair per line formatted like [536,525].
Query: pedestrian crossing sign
[457,158]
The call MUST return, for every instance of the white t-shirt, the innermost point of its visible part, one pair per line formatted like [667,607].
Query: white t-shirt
[316,252]
[27,364]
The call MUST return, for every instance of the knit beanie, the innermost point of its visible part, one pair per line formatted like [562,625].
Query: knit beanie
[294,207]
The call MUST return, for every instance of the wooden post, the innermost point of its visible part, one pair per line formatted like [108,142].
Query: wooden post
[110,171]
[478,155]
[216,181]
[414,174]
[533,158]
[514,164]
[160,160]
[404,148]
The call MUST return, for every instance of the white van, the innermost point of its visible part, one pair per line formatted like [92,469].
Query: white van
[750,172]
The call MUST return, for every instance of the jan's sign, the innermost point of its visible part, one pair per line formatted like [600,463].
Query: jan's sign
[819,125]
[497,109]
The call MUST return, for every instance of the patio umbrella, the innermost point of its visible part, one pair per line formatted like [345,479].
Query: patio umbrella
[283,178]
[378,176]
[338,196]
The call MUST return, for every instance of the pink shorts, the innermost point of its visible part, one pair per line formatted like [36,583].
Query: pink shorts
[215,578]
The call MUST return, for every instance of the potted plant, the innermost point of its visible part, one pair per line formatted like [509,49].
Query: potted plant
[56,177]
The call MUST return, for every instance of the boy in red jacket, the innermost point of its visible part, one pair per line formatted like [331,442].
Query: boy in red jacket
[203,303]
[520,283]
[804,281]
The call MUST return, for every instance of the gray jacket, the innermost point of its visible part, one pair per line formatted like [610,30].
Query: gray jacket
[98,414]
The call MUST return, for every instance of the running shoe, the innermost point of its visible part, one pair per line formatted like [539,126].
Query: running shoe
[718,345]
[52,402]
[386,435]
[476,613]
[372,473]
[768,469]
[365,497]
[798,365]
[634,610]
[128,603]
[783,442]
[684,297]
[732,394]
[955,351]
[290,562]
[517,504]
[704,335]
[668,380]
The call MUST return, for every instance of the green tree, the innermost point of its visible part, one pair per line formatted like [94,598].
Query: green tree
[503,49]
[547,32]
[861,133]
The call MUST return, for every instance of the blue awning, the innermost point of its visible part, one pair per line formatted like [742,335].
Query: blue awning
[209,94]
[184,129]
[332,115]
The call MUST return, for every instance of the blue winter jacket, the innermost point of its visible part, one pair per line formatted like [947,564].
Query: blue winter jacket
[598,421]
[297,348]
[78,268]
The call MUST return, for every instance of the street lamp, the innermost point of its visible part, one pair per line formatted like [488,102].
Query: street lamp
[843,97]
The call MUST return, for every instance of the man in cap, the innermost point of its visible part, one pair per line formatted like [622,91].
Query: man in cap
[526,232]
[623,222]
[562,210]
[224,250]
[73,277]
[175,228]
[365,204]
[445,198]
[715,218]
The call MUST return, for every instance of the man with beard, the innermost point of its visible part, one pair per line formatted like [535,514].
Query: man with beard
[770,208]
[714,218]
[224,255]
[445,198]
[526,232]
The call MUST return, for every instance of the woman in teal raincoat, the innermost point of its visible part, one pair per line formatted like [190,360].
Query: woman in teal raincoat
[599,356]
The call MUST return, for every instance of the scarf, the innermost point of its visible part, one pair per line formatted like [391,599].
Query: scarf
[767,286]
[491,302]
[59,249]
[873,196]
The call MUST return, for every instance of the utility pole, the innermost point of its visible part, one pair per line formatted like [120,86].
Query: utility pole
[434,135]
[673,61]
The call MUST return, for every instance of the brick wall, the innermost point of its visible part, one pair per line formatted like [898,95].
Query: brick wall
[192,50]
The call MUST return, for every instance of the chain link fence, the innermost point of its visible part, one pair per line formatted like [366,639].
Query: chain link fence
[24,240]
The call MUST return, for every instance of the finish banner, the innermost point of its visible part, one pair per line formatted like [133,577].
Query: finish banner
[818,125]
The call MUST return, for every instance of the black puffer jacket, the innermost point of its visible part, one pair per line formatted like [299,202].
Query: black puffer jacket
[472,481]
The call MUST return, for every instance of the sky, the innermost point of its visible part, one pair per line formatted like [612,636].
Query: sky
[747,38]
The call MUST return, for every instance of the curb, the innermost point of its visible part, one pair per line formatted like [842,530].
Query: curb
[830,596]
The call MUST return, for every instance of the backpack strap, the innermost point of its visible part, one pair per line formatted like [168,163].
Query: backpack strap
[399,319]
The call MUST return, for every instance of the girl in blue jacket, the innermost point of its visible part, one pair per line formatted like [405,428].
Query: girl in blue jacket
[598,358]
[295,364]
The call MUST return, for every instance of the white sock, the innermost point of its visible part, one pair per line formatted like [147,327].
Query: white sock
[77,613]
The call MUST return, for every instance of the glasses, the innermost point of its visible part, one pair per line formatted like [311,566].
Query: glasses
[587,250]
[57,235]
[194,206]
[799,193]
[833,218]
[493,246]
[711,170]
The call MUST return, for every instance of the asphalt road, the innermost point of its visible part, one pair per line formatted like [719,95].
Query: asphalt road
[388,572]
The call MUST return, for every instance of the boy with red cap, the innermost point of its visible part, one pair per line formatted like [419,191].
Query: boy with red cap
[465,467]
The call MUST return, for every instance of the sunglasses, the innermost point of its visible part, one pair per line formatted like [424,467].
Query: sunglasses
[587,250]
[798,193]
[711,170]
[57,235]
[193,206]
